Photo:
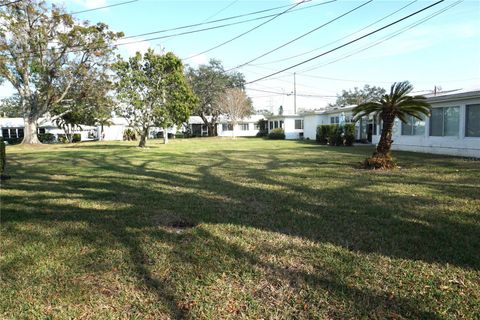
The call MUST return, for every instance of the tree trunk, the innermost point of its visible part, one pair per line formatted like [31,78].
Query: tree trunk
[165,136]
[385,143]
[143,138]
[30,131]
[234,124]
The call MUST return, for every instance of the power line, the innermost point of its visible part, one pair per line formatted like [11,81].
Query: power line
[191,31]
[347,36]
[104,7]
[289,94]
[250,30]
[225,19]
[301,36]
[386,38]
[349,42]
[221,10]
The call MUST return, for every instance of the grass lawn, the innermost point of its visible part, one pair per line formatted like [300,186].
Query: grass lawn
[246,228]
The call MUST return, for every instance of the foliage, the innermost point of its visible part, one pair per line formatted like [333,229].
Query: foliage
[77,137]
[262,128]
[129,135]
[62,138]
[89,103]
[10,107]
[153,92]
[349,134]
[209,83]
[396,104]
[336,135]
[46,137]
[276,134]
[358,96]
[264,112]
[235,105]
[46,52]
[322,134]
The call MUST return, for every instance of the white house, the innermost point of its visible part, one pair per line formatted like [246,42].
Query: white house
[291,124]
[247,127]
[12,129]
[452,129]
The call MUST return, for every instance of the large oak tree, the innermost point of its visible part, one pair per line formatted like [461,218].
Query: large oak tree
[45,53]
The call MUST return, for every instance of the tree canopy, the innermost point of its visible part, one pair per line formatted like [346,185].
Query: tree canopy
[358,96]
[45,53]
[153,91]
[209,82]
[235,105]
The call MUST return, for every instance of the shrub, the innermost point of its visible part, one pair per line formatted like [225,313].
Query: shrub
[62,138]
[322,134]
[349,134]
[129,135]
[336,135]
[276,134]
[46,137]
[77,137]
[262,128]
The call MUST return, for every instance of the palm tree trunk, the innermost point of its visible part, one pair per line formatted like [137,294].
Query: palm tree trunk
[385,143]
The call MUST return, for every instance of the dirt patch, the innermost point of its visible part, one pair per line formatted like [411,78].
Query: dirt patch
[173,221]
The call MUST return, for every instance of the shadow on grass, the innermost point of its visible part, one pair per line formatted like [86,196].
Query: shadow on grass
[226,189]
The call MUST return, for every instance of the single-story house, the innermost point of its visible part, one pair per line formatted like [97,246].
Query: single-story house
[247,127]
[452,129]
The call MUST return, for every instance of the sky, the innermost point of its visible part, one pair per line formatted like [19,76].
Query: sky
[437,47]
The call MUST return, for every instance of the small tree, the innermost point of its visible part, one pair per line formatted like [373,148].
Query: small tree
[396,104]
[236,105]
[153,92]
[45,52]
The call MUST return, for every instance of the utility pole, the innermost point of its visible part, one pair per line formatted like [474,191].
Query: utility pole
[294,93]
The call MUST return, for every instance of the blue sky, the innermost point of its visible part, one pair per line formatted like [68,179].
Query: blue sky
[442,51]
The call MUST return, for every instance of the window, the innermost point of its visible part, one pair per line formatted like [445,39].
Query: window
[281,124]
[243,126]
[472,121]
[413,127]
[12,133]
[20,132]
[227,127]
[5,133]
[271,125]
[41,130]
[298,124]
[334,120]
[256,126]
[276,124]
[445,121]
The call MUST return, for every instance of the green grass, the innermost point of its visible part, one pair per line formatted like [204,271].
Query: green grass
[246,228]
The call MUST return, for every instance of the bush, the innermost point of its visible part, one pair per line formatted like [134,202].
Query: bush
[77,137]
[46,137]
[129,135]
[62,138]
[335,135]
[276,134]
[322,134]
[262,128]
[349,137]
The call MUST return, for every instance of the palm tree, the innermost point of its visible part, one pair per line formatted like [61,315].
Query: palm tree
[396,104]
